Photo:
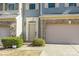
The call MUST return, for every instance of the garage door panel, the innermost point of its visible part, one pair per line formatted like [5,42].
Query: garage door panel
[62,34]
[4,32]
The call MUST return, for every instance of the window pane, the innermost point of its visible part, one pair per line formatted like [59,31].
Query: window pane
[11,7]
[72,4]
[17,6]
[1,6]
[31,6]
[50,5]
[6,6]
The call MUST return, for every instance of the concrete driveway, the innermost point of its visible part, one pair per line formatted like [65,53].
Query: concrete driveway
[62,50]
[56,49]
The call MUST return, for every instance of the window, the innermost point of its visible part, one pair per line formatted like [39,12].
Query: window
[11,7]
[1,6]
[31,6]
[72,4]
[51,5]
[17,6]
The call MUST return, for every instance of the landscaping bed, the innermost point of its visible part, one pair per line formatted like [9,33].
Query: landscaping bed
[13,46]
[17,52]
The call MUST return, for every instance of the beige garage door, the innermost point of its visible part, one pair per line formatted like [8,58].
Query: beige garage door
[60,31]
[62,34]
[4,31]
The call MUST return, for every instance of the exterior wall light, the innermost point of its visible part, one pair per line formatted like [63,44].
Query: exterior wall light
[69,22]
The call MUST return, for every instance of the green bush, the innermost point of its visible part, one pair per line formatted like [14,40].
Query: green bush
[21,36]
[38,42]
[8,42]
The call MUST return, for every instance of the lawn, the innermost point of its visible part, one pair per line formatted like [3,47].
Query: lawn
[17,52]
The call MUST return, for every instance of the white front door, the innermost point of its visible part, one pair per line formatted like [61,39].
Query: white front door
[32,31]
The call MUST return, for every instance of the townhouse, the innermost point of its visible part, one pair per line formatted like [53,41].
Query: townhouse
[55,22]
[8,14]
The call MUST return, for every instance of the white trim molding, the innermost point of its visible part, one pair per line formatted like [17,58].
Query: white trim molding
[77,4]
[27,6]
[46,5]
[66,4]
[57,4]
[36,6]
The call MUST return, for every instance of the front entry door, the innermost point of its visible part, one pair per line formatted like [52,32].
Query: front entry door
[32,31]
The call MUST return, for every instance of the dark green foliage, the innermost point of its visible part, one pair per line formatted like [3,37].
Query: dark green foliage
[8,42]
[21,36]
[38,42]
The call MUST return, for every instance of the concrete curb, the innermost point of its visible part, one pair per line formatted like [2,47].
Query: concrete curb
[43,53]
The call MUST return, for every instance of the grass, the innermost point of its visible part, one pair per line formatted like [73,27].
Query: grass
[17,52]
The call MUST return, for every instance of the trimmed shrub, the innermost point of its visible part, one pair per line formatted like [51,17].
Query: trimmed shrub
[8,42]
[22,37]
[38,42]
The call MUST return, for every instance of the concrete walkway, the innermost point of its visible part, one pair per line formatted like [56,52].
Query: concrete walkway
[56,49]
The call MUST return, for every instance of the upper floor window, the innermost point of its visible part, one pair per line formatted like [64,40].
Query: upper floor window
[72,4]
[1,6]
[31,6]
[51,5]
[11,7]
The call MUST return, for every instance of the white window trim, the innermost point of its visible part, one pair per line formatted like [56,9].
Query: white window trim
[77,4]
[36,6]
[46,5]
[27,6]
[66,5]
[57,5]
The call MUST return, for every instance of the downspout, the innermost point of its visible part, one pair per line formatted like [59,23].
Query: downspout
[40,13]
[39,23]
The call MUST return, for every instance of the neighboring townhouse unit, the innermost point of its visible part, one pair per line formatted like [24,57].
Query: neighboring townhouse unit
[8,14]
[55,22]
